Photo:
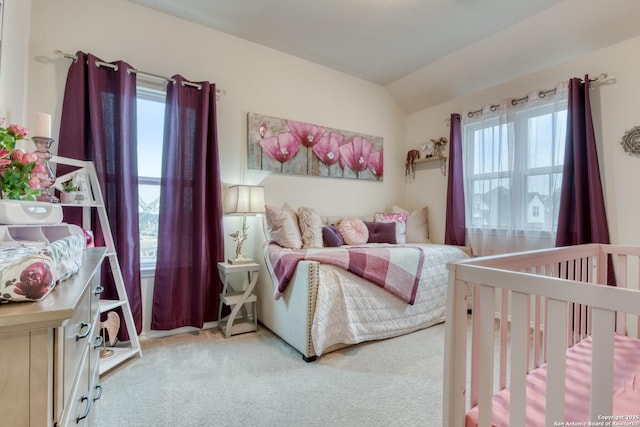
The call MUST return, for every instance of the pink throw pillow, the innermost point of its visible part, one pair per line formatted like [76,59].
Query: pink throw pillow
[354,231]
[283,226]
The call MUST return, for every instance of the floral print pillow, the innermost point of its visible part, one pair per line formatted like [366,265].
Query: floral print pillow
[29,279]
[67,253]
[30,273]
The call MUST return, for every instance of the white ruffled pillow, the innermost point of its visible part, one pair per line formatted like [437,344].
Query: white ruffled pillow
[283,226]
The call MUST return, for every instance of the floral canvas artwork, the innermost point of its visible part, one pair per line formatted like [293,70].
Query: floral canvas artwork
[293,147]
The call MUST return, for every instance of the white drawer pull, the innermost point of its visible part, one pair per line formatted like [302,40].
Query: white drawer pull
[84,334]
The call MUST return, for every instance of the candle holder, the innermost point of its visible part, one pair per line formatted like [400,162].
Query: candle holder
[48,178]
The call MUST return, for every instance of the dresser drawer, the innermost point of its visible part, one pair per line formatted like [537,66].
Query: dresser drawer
[78,405]
[95,349]
[95,388]
[77,336]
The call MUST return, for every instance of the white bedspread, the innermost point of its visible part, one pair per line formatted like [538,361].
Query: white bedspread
[350,310]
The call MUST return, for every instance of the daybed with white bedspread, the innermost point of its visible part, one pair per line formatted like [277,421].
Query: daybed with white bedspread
[323,298]
[551,343]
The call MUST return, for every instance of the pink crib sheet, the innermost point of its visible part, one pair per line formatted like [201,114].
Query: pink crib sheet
[626,382]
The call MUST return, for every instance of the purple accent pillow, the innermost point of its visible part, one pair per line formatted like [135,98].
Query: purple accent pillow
[381,232]
[331,237]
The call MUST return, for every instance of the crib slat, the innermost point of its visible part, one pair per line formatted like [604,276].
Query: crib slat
[536,332]
[556,363]
[455,366]
[485,356]
[475,333]
[602,362]
[519,356]
[621,281]
[504,333]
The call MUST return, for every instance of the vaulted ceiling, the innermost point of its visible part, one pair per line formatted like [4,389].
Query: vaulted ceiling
[424,52]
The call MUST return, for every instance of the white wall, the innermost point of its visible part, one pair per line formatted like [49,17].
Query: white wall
[255,78]
[14,59]
[615,109]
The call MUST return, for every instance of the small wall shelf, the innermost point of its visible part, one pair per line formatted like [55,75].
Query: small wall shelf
[433,160]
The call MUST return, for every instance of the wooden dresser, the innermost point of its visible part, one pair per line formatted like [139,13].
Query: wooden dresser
[49,353]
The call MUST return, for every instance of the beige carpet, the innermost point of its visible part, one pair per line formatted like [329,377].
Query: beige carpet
[202,379]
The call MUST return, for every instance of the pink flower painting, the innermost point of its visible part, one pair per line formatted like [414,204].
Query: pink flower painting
[282,147]
[375,163]
[307,134]
[328,148]
[356,153]
[294,147]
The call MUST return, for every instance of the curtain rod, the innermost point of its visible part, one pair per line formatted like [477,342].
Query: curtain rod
[515,101]
[144,73]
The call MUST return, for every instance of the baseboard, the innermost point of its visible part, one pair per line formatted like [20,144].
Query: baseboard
[161,334]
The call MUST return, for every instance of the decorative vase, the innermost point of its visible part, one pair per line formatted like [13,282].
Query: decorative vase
[48,178]
[68,197]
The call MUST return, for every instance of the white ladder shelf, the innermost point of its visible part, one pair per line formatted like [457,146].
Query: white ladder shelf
[96,201]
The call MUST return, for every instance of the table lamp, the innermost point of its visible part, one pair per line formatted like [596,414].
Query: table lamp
[243,200]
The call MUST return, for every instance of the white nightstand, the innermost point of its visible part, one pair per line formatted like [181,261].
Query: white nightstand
[238,299]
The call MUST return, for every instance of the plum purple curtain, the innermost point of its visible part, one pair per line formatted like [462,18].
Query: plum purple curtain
[582,217]
[190,235]
[98,123]
[455,222]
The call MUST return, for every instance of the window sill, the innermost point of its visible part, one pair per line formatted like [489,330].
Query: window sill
[147,271]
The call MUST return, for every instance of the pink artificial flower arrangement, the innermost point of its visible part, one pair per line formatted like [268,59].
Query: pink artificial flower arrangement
[18,170]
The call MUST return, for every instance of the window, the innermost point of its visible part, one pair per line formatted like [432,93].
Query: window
[513,164]
[150,118]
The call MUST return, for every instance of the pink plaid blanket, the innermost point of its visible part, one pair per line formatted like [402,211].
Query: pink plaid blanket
[394,268]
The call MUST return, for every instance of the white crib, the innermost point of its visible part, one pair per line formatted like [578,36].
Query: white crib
[528,310]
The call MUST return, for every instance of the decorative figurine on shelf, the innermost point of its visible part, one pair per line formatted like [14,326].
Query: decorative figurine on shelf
[438,146]
[112,326]
[427,149]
